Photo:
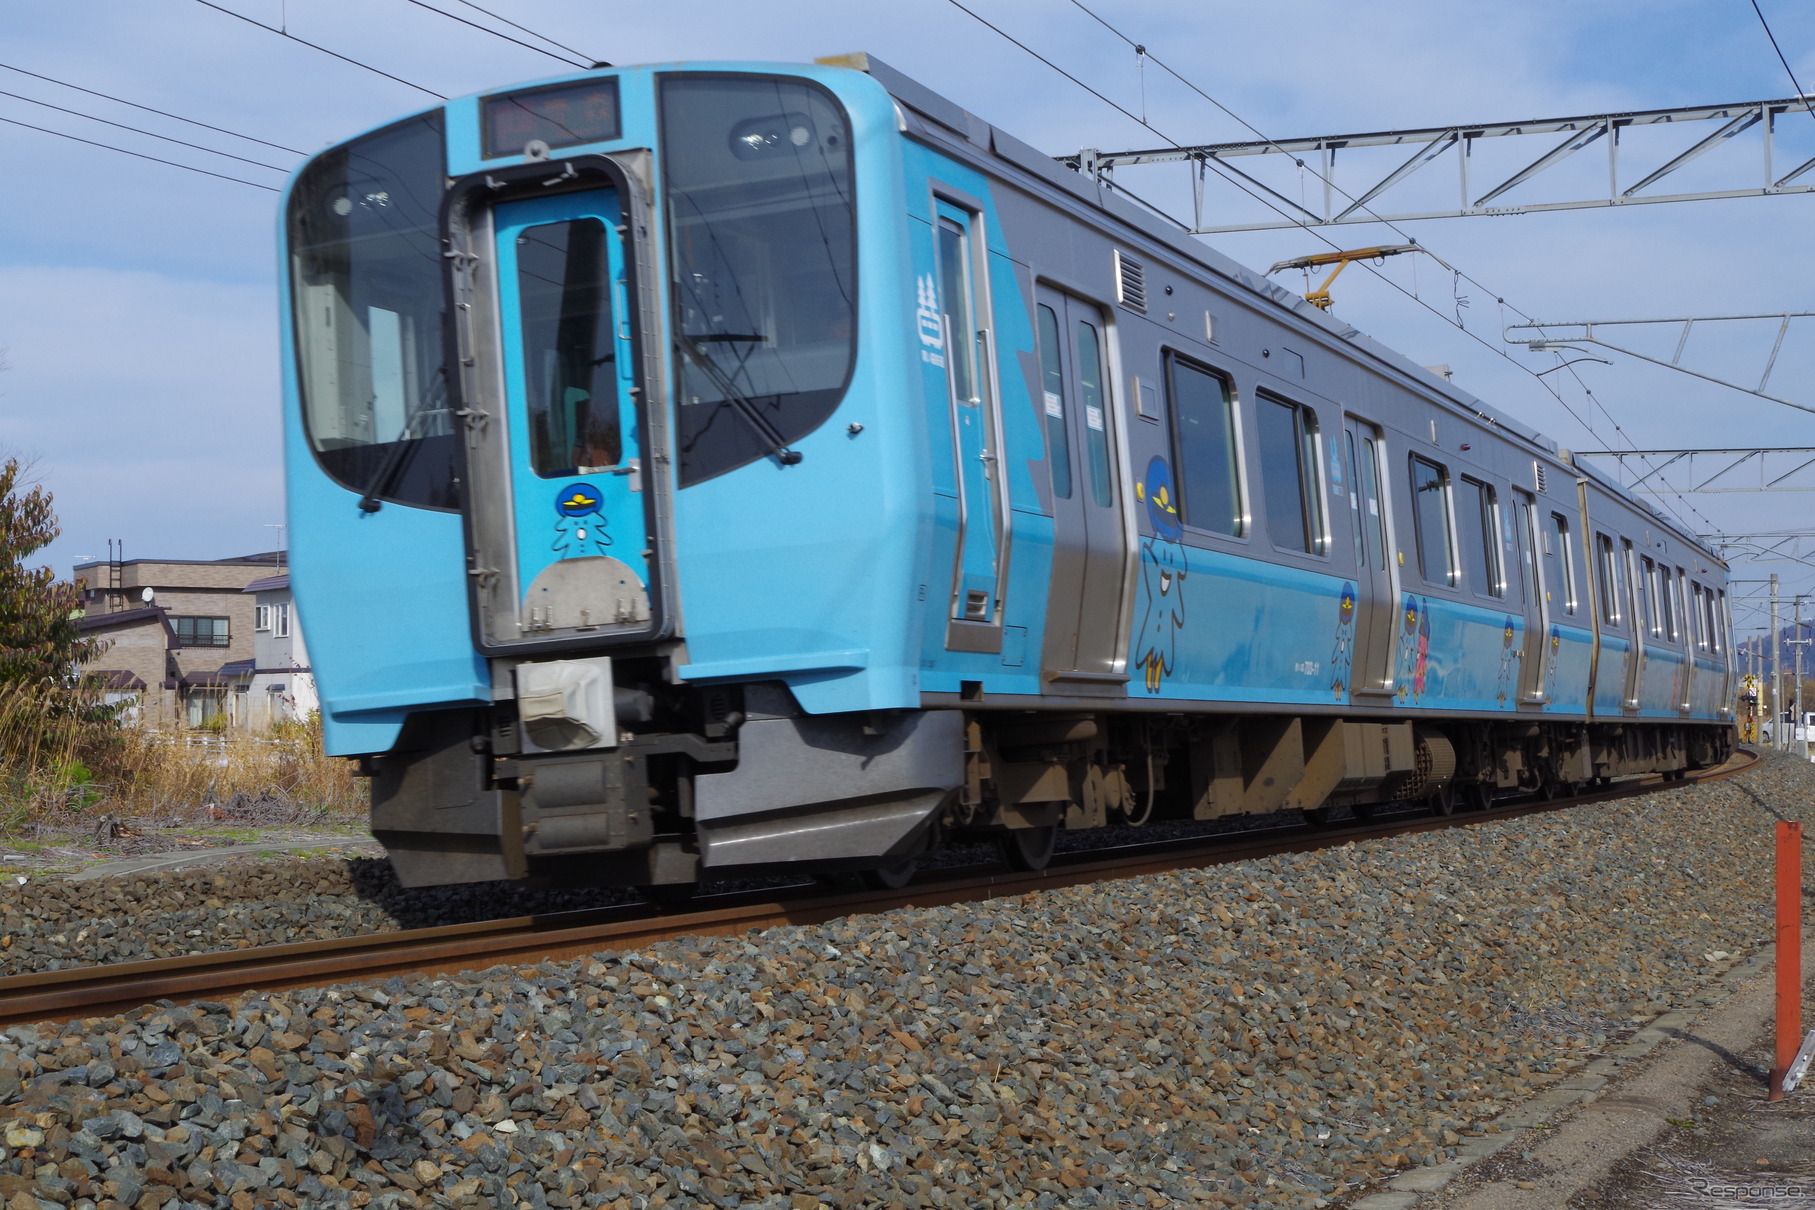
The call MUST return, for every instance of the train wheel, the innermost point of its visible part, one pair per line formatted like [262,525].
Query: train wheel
[1029,849]
[1480,797]
[1443,802]
[891,877]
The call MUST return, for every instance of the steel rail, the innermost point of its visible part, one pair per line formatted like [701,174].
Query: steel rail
[65,995]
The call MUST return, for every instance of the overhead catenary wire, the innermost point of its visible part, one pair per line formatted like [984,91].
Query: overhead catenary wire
[500,34]
[1146,53]
[524,29]
[148,109]
[1788,70]
[140,155]
[136,130]
[284,33]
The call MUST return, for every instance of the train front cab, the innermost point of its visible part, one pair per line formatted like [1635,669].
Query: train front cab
[583,441]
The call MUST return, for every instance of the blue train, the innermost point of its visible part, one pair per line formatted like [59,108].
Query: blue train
[733,466]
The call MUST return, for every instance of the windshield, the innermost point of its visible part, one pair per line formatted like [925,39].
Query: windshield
[763,244]
[365,252]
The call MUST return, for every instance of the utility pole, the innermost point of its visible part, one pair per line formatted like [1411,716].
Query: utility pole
[1801,733]
[1776,670]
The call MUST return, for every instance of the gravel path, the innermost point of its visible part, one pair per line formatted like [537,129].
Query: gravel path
[1277,1032]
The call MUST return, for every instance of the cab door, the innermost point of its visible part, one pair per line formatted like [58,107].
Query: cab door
[1376,572]
[563,530]
[1083,651]
[975,615]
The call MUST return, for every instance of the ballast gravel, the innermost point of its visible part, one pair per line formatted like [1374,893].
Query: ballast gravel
[1278,1032]
[48,923]
[52,924]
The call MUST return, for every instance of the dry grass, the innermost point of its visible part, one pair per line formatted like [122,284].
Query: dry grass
[282,778]
[63,760]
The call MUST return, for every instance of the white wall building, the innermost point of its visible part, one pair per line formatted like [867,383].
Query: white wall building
[276,685]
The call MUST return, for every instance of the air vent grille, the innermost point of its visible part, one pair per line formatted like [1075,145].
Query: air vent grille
[1130,283]
[1538,473]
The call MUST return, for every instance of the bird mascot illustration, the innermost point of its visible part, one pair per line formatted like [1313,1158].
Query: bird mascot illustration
[579,525]
[1163,572]
[1342,655]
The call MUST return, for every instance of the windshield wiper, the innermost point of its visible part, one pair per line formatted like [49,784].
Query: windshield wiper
[388,467]
[740,403]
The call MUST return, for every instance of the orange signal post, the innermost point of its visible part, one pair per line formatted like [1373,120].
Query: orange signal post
[1789,952]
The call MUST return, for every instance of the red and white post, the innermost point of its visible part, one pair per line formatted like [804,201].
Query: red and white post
[1787,1071]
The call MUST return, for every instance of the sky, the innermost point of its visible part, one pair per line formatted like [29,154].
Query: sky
[138,300]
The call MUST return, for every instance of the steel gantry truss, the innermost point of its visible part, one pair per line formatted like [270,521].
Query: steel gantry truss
[1369,203]
[1567,336]
[1778,546]
[1714,470]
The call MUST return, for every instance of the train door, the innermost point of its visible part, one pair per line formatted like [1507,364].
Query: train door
[1376,573]
[1526,539]
[978,573]
[1640,619]
[1082,652]
[564,537]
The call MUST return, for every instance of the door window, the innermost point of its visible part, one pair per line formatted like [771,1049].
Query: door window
[1094,397]
[1209,467]
[1052,389]
[955,294]
[1373,523]
[570,359]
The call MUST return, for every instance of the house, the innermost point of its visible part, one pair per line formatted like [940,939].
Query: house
[181,640]
[276,685]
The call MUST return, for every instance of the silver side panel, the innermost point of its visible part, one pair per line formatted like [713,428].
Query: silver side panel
[839,786]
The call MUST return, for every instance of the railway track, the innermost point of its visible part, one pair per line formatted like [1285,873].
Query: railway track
[64,995]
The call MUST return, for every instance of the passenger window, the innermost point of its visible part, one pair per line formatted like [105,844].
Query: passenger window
[1648,595]
[1052,387]
[1430,516]
[1289,475]
[1483,539]
[1203,429]
[1679,627]
[1721,621]
[1698,618]
[1656,599]
[1563,550]
[1093,397]
[1611,585]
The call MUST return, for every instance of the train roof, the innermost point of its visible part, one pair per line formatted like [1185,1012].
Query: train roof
[995,142]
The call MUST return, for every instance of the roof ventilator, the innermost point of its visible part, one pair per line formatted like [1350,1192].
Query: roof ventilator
[1130,283]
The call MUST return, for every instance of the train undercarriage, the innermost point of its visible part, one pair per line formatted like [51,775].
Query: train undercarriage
[736,781]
